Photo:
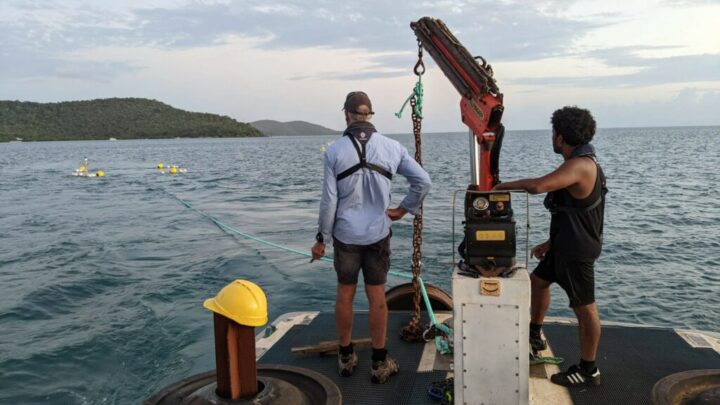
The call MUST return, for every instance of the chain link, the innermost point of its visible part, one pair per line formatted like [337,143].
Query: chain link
[413,331]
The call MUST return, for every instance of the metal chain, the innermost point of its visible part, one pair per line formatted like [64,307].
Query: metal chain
[413,331]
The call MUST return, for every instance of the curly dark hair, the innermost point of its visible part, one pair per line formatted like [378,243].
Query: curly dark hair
[576,125]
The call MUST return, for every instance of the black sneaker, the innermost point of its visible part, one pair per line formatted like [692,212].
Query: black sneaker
[577,377]
[346,364]
[383,370]
[537,343]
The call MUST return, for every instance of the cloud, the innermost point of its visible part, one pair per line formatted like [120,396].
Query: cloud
[38,36]
[44,39]
[102,72]
[689,107]
[574,51]
[685,3]
[498,30]
[27,64]
[647,72]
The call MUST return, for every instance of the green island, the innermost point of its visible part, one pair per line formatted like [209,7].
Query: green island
[118,118]
[275,128]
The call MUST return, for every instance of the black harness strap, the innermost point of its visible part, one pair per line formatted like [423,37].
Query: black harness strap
[562,208]
[363,162]
[598,201]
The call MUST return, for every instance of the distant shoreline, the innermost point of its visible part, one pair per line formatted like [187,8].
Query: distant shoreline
[295,136]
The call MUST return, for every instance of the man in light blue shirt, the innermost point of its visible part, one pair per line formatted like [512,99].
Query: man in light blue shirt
[355,214]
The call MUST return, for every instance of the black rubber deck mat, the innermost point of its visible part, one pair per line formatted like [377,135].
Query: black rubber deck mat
[631,361]
[408,387]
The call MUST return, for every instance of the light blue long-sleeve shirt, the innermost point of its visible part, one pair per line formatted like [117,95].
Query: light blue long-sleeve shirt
[353,210]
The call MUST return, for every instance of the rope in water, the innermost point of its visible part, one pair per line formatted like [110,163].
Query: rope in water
[231,229]
[243,234]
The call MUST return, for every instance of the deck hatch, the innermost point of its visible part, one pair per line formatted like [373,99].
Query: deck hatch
[699,341]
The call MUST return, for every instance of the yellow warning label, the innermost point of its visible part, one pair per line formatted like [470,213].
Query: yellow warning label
[490,235]
[499,197]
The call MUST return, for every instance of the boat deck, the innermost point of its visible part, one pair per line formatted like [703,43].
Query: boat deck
[408,387]
[632,359]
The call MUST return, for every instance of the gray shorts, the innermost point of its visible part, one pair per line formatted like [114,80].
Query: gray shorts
[374,260]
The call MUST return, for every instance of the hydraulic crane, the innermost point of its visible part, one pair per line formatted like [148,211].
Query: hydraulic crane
[489,243]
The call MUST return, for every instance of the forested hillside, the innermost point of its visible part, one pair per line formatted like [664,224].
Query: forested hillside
[272,128]
[120,118]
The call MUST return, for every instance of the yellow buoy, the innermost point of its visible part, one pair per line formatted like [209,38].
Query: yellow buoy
[242,301]
[100,173]
[160,166]
[173,169]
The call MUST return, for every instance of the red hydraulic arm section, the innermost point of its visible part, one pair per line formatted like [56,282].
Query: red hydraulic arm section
[481,105]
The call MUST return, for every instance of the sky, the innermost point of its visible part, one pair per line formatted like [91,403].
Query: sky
[632,63]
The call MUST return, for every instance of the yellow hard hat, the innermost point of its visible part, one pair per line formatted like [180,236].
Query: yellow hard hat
[160,165]
[242,301]
[173,169]
[100,173]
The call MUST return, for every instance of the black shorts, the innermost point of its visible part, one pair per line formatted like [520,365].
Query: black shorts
[374,260]
[576,277]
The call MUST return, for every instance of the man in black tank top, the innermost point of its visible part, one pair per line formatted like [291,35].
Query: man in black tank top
[576,199]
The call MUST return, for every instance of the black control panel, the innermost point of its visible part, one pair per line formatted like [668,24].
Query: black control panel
[489,230]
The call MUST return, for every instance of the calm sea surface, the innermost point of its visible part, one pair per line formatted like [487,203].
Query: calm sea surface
[102,279]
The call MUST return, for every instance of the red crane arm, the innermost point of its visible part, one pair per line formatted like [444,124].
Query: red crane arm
[481,106]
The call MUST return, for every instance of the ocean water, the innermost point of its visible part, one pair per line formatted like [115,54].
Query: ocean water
[102,279]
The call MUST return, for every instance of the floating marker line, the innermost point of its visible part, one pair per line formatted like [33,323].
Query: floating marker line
[426,298]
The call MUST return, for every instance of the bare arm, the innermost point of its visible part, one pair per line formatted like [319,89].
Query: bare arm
[567,175]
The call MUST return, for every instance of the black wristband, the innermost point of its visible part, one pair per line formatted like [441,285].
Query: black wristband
[319,238]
